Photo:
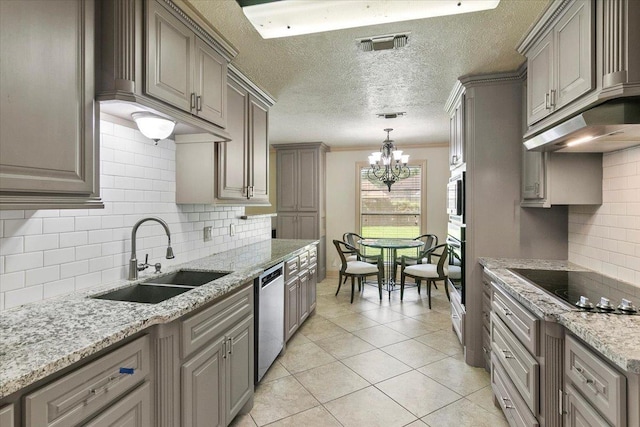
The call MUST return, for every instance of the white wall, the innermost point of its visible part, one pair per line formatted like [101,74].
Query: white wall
[341,193]
[51,252]
[606,238]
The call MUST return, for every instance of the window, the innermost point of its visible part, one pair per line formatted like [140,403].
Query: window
[398,213]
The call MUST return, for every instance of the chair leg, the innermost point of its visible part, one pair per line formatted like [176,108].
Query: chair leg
[418,283]
[380,285]
[429,282]
[353,285]
[339,282]
[359,284]
[401,290]
[446,288]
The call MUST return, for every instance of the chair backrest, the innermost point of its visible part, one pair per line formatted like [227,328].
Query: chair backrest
[442,252]
[352,239]
[344,249]
[430,240]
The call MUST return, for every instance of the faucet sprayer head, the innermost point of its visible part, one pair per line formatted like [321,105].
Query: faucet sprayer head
[170,253]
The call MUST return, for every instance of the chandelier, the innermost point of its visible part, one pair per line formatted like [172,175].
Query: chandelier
[389,164]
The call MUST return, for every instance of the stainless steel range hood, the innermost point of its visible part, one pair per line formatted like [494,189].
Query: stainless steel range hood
[611,126]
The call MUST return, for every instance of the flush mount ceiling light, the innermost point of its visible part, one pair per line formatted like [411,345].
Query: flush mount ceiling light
[153,126]
[389,164]
[282,18]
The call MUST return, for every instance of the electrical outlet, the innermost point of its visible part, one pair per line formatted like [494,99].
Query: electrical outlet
[232,229]
[208,233]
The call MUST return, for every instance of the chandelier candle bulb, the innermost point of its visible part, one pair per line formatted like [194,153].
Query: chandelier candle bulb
[405,159]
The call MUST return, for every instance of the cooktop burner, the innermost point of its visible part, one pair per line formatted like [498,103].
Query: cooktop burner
[584,289]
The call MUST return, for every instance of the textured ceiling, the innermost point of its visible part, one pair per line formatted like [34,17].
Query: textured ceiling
[328,90]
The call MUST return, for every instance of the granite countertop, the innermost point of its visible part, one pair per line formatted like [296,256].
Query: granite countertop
[616,337]
[39,339]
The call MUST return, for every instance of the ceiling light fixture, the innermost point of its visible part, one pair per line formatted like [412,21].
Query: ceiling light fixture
[389,164]
[153,126]
[282,18]
[391,115]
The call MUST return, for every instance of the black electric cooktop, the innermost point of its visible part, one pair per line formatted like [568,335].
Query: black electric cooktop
[574,286]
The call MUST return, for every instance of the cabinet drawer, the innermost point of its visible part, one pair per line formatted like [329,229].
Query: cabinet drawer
[133,410]
[85,391]
[313,255]
[580,412]
[486,347]
[457,317]
[304,260]
[290,268]
[514,408]
[523,324]
[205,326]
[603,386]
[522,368]
[486,310]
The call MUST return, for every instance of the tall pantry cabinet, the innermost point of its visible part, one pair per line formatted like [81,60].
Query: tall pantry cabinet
[301,195]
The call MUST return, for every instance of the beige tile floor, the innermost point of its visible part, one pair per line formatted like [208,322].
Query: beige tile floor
[374,363]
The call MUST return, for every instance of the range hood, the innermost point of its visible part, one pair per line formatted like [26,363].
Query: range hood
[611,126]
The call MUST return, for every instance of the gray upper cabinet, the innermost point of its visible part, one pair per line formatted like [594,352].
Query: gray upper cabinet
[158,56]
[182,69]
[243,162]
[48,122]
[533,175]
[561,63]
[455,107]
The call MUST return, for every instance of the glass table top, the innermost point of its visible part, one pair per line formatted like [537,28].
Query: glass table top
[391,243]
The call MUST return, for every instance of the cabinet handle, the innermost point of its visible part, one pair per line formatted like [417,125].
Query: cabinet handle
[230,345]
[584,378]
[506,405]
[547,101]
[536,188]
[507,354]
[507,312]
[553,98]
[192,104]
[198,103]
[224,348]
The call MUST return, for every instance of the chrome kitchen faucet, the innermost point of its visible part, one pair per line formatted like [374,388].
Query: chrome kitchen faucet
[134,267]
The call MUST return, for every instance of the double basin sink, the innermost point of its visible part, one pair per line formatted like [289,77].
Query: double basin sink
[161,288]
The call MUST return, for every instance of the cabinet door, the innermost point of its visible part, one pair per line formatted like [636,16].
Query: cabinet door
[540,79]
[210,84]
[233,155]
[307,226]
[579,412]
[259,150]
[203,387]
[287,226]
[457,149]
[313,281]
[533,175]
[170,57]
[287,180]
[574,53]
[303,294]
[307,180]
[47,110]
[239,367]
[134,410]
[6,416]
[452,141]
[292,316]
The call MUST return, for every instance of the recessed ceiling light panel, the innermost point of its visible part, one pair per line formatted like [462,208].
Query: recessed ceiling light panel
[285,18]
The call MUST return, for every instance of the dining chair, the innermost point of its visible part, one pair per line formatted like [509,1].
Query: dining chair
[363,267]
[352,240]
[429,271]
[429,240]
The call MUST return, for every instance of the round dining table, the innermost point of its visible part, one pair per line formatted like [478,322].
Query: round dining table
[389,248]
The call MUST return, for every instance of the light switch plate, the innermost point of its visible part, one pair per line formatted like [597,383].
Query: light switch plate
[232,229]
[208,233]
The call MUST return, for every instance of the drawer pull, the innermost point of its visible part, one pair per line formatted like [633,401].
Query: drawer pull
[455,316]
[506,405]
[128,371]
[507,312]
[113,379]
[507,354]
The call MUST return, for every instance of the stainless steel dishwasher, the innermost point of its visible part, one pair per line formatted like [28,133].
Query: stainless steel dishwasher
[269,290]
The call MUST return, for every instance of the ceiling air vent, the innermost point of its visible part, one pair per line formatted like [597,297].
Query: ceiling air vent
[391,115]
[392,41]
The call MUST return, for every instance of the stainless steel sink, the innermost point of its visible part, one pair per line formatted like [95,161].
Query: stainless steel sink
[187,278]
[158,289]
[149,294]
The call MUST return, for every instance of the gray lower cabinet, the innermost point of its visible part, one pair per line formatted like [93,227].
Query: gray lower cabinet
[292,306]
[92,389]
[217,367]
[579,412]
[7,416]
[301,278]
[53,164]
[133,410]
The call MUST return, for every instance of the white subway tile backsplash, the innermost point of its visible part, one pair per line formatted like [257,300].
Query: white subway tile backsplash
[23,261]
[11,281]
[41,243]
[23,296]
[57,251]
[58,225]
[606,238]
